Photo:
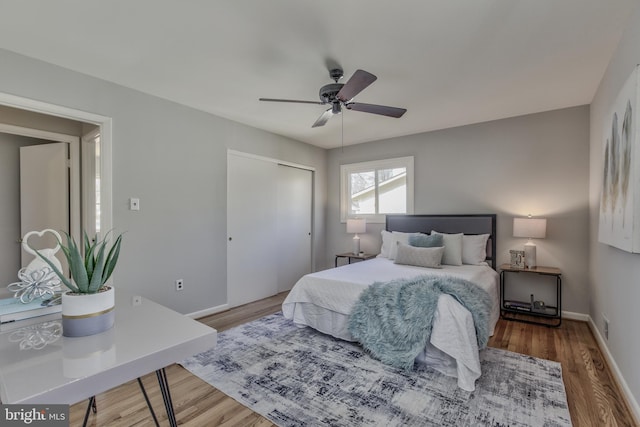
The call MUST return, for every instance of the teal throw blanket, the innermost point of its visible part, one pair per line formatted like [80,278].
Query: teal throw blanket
[393,320]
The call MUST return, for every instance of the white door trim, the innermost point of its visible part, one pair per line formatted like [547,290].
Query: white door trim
[270,159]
[88,168]
[37,133]
[105,123]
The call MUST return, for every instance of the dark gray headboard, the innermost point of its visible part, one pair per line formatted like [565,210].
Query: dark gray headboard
[467,224]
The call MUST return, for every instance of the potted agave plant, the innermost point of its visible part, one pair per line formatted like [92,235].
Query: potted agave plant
[88,306]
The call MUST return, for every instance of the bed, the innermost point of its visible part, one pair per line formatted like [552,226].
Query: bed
[324,300]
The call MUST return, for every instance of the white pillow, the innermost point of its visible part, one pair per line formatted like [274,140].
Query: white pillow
[474,249]
[387,241]
[452,248]
[419,256]
[390,240]
[401,238]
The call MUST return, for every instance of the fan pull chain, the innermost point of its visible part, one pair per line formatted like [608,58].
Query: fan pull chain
[342,132]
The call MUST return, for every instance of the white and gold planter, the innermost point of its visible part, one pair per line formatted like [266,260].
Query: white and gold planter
[87,314]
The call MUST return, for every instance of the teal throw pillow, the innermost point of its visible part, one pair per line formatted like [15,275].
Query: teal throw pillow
[426,240]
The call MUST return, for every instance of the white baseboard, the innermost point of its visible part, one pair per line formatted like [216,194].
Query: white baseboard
[208,311]
[575,316]
[626,391]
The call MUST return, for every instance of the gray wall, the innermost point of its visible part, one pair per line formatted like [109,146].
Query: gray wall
[534,164]
[614,274]
[174,159]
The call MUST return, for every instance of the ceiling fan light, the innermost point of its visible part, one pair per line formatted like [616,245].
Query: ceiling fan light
[336,109]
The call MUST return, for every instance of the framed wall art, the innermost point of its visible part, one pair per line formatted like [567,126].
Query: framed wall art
[619,225]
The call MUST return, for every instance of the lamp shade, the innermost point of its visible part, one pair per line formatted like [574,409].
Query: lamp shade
[356,225]
[531,228]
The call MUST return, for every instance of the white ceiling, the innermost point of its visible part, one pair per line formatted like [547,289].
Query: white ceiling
[449,62]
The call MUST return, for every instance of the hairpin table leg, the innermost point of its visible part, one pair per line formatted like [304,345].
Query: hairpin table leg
[166,396]
[144,392]
[91,406]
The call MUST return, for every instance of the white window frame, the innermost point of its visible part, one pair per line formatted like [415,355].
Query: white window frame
[348,169]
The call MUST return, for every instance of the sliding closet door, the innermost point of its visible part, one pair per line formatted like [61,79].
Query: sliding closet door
[294,225]
[251,229]
[269,212]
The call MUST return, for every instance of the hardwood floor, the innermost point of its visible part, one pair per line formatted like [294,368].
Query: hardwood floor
[594,397]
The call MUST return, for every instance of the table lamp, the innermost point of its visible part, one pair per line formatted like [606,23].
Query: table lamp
[531,228]
[356,225]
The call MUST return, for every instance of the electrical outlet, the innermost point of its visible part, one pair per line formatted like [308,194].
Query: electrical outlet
[605,322]
[134,204]
[179,285]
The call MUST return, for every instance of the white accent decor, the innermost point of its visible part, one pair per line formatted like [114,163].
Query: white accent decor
[38,263]
[356,225]
[531,228]
[530,255]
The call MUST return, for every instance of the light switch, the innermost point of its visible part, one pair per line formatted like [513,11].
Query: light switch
[134,204]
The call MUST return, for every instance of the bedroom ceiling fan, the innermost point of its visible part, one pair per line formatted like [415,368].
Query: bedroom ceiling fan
[340,95]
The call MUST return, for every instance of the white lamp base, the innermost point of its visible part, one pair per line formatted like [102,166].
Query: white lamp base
[356,245]
[530,255]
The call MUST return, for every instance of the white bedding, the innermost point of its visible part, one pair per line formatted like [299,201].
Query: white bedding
[324,300]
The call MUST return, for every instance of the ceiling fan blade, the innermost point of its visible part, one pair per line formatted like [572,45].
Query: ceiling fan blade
[383,110]
[323,119]
[290,100]
[356,84]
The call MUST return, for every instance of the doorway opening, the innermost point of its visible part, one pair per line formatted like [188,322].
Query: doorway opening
[86,140]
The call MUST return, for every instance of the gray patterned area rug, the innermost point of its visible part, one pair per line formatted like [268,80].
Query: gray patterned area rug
[299,377]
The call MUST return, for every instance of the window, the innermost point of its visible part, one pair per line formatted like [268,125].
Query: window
[372,189]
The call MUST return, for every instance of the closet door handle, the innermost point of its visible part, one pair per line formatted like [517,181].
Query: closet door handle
[230,238]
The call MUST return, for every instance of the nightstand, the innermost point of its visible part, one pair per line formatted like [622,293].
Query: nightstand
[351,256]
[509,308]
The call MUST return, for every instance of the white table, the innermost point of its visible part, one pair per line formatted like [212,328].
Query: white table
[146,337]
